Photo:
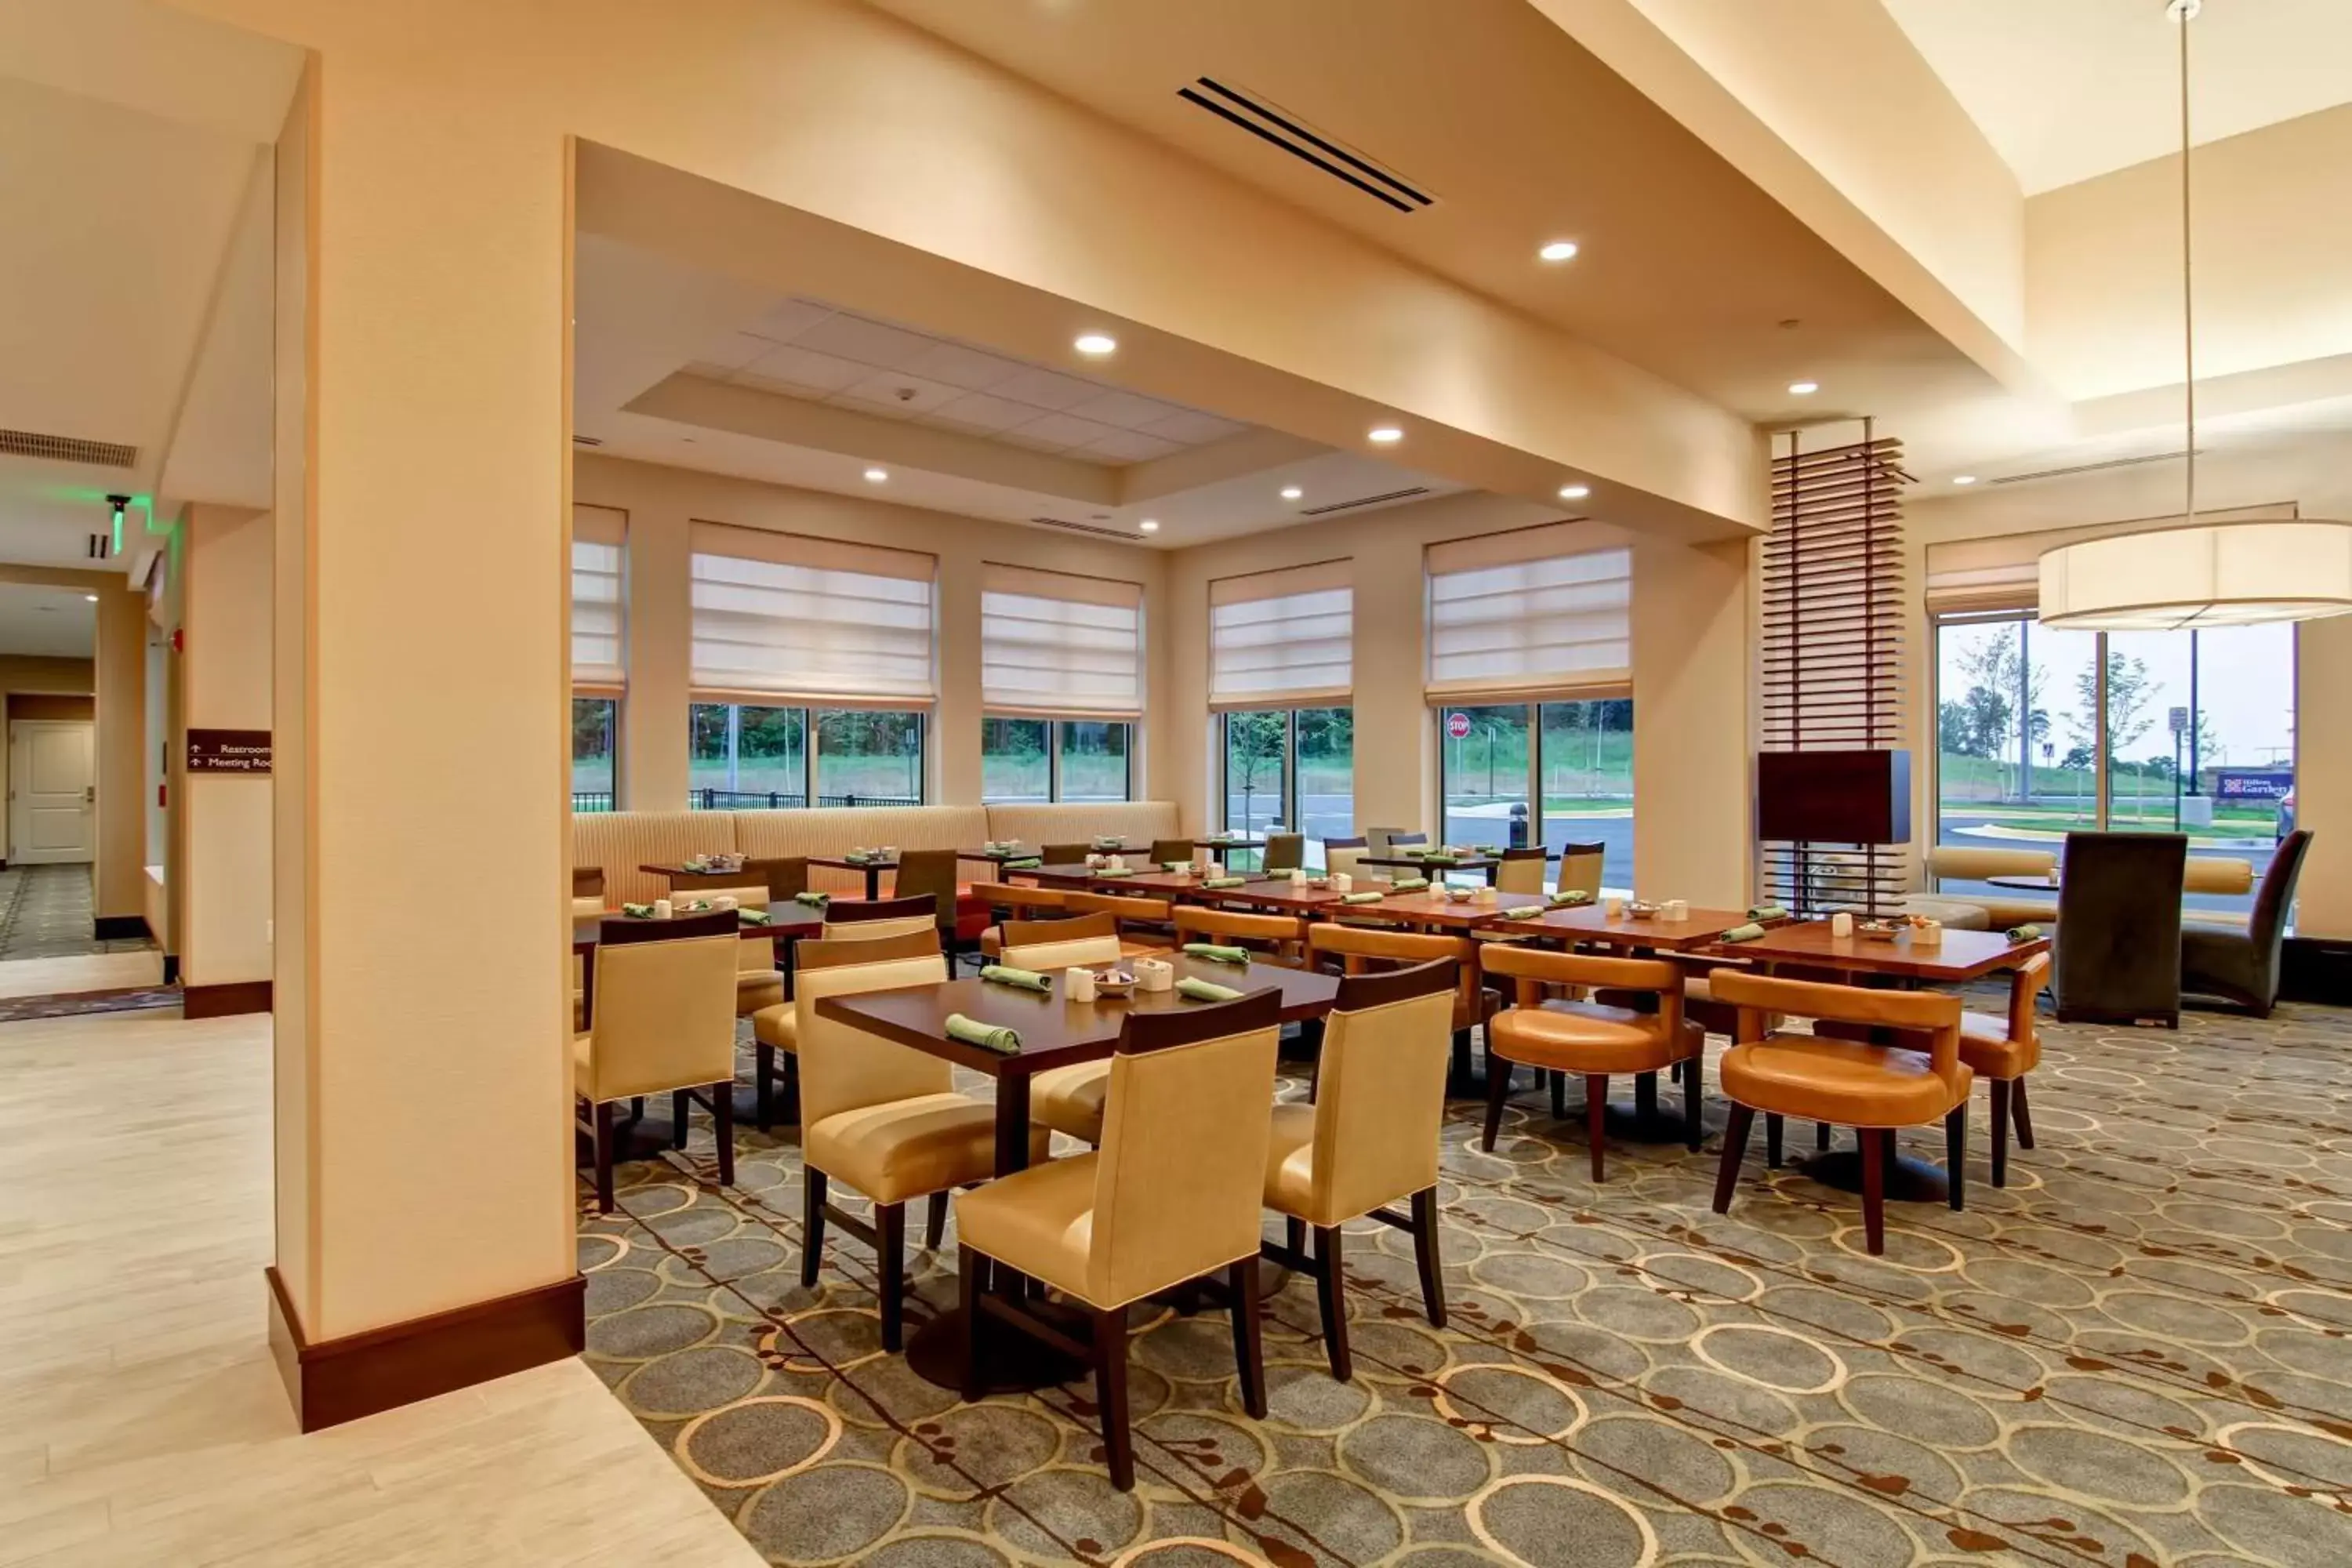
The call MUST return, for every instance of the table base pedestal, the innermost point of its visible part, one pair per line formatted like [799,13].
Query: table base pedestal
[1010,1361]
[1909,1178]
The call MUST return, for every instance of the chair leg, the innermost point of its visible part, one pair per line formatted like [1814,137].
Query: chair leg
[1461,1056]
[967,1289]
[2001,1105]
[1331,1295]
[681,1105]
[1773,1128]
[763,1078]
[2024,1114]
[1110,1395]
[722,1125]
[1425,1257]
[1498,1090]
[1249,1351]
[603,1157]
[1821,1137]
[1956,1154]
[1596,1118]
[1735,1148]
[792,1084]
[1558,1095]
[1694,1101]
[1873,1190]
[935,1220]
[891,1267]
[812,1223]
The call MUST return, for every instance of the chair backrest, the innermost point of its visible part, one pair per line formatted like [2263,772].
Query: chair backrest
[2275,898]
[1056,944]
[1522,871]
[1370,950]
[588,882]
[1065,854]
[2025,983]
[1010,896]
[785,877]
[1932,1013]
[1579,867]
[821,954]
[1533,968]
[1284,850]
[664,1015]
[847,1068]
[2119,921]
[1379,1090]
[880,917]
[1398,838]
[1277,934]
[928,873]
[1149,910]
[1166,849]
[1181,1174]
[1340,856]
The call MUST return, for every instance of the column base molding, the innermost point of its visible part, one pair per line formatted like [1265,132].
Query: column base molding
[341,1380]
[221,1000]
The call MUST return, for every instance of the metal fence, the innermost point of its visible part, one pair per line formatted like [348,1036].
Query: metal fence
[592,800]
[755,800]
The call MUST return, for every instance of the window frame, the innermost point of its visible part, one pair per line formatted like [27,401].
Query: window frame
[1053,730]
[615,731]
[1532,708]
[812,746]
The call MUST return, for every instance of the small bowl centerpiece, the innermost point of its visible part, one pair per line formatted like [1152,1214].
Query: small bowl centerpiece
[1114,982]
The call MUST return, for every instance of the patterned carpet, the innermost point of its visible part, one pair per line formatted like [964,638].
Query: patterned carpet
[45,913]
[2135,1355]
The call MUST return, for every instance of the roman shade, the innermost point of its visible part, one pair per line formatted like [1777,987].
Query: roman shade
[1521,616]
[599,613]
[784,618]
[1056,645]
[1983,576]
[1283,638]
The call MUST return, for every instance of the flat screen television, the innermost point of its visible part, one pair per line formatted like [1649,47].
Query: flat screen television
[1834,797]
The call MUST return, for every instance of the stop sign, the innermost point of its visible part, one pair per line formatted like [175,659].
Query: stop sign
[1457,724]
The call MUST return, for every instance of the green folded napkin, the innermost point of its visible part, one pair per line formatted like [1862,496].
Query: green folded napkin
[1111,843]
[642,911]
[813,901]
[987,1037]
[1205,990]
[1216,953]
[1440,860]
[1026,862]
[1749,932]
[1408,884]
[1767,912]
[1114,871]
[1523,913]
[1415,851]
[2025,933]
[1568,899]
[1486,849]
[860,857]
[755,917]
[1224,882]
[1005,975]
[1372,898]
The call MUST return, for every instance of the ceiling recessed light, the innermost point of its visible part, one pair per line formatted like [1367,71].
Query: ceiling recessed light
[876,476]
[1291,492]
[1804,388]
[1557,250]
[1150,525]
[1095,343]
[1574,493]
[1963,478]
[91,597]
[1386,434]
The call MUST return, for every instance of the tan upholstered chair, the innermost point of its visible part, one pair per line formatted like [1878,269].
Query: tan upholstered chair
[1342,856]
[878,1116]
[663,1022]
[862,920]
[1359,950]
[1164,850]
[1012,901]
[1873,1089]
[759,983]
[775,1031]
[1370,1138]
[1271,939]
[1522,871]
[1172,1196]
[1579,867]
[1067,1099]
[1065,854]
[587,892]
[1283,851]
[1592,1040]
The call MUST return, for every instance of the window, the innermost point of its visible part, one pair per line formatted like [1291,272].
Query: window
[746,757]
[1291,770]
[1279,638]
[1530,658]
[869,758]
[599,653]
[1062,675]
[2043,732]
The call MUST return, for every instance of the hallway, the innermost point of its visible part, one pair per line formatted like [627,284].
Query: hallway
[45,913]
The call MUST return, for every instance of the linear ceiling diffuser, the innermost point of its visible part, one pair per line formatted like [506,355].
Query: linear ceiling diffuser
[2182,573]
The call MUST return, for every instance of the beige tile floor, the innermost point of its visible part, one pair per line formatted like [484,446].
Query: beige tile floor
[140,1417]
[86,972]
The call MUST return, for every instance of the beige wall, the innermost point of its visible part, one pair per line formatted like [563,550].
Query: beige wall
[661,503]
[223,909]
[1691,681]
[119,875]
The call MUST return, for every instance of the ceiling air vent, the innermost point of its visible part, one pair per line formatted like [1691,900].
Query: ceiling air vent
[100,547]
[2090,468]
[67,449]
[1285,131]
[1070,527]
[587,440]
[1380,500]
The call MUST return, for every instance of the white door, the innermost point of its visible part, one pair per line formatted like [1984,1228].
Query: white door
[51,799]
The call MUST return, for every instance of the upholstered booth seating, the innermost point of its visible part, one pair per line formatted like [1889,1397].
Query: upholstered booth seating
[1172,1196]
[1522,871]
[1270,939]
[622,841]
[2118,940]
[1135,821]
[664,1023]
[2243,966]
[1873,1089]
[831,830]
[1369,1137]
[1360,950]
[1982,908]
[1592,1040]
[879,1117]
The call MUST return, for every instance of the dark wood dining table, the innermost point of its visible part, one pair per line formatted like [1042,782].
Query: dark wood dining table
[1218,846]
[1486,864]
[1063,874]
[1960,957]
[1591,923]
[872,868]
[1055,1032]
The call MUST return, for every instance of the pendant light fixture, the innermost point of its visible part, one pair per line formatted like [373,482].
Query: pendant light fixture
[2184,572]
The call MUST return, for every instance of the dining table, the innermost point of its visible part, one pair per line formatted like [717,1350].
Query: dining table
[1594,925]
[1485,864]
[1055,1032]
[1060,874]
[1218,847]
[873,866]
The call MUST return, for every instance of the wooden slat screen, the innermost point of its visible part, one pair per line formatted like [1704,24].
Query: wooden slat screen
[1832,644]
